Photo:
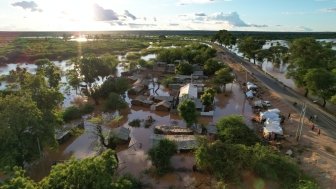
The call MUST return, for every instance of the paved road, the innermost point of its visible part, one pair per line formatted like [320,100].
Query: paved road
[325,120]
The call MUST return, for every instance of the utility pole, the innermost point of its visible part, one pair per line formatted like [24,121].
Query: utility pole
[301,122]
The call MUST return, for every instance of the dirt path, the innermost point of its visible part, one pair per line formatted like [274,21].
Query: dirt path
[314,153]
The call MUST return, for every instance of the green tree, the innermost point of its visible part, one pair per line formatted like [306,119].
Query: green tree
[187,110]
[223,76]
[73,78]
[278,54]
[94,67]
[24,130]
[19,180]
[184,68]
[225,161]
[161,154]
[232,129]
[95,172]
[115,102]
[117,85]
[321,82]
[250,47]
[306,54]
[211,66]
[224,37]
[208,97]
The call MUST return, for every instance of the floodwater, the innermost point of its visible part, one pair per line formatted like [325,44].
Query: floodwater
[148,57]
[279,73]
[157,89]
[231,102]
[134,159]
[69,93]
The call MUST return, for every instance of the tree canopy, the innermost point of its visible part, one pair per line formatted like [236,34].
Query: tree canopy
[24,130]
[232,129]
[160,155]
[250,47]
[187,110]
[95,172]
[307,54]
[224,38]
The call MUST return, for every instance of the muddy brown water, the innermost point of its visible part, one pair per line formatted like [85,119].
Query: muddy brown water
[134,159]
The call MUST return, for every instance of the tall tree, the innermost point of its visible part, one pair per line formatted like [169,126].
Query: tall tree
[250,47]
[184,68]
[306,54]
[161,154]
[321,82]
[24,130]
[211,66]
[224,38]
[187,110]
[232,129]
[223,76]
[94,172]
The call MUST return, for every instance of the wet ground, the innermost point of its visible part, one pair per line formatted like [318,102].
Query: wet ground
[134,159]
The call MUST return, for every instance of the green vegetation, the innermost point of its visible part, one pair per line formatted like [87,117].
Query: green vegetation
[238,151]
[194,54]
[208,97]
[117,85]
[96,172]
[161,154]
[211,66]
[71,113]
[223,76]
[224,38]
[250,47]
[28,50]
[184,68]
[187,110]
[232,129]
[135,123]
[74,112]
[29,113]
[311,66]
[115,102]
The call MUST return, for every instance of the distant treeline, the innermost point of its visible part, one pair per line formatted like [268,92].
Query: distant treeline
[238,34]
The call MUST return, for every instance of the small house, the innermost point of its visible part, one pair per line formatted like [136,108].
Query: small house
[163,106]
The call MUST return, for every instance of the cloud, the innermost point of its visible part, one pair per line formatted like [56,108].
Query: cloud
[140,25]
[128,14]
[28,5]
[329,10]
[303,29]
[102,14]
[200,14]
[187,2]
[232,18]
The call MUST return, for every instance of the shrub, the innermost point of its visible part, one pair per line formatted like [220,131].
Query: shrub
[86,108]
[71,113]
[115,102]
[135,123]
[160,155]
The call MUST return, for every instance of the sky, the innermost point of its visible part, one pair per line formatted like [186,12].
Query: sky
[108,15]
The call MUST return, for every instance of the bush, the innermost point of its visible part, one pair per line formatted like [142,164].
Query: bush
[160,155]
[71,113]
[135,123]
[232,129]
[86,108]
[115,102]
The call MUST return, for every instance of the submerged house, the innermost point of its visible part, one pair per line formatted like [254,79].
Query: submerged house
[163,106]
[189,91]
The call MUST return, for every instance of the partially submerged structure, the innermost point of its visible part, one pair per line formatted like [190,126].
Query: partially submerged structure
[183,142]
[172,130]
